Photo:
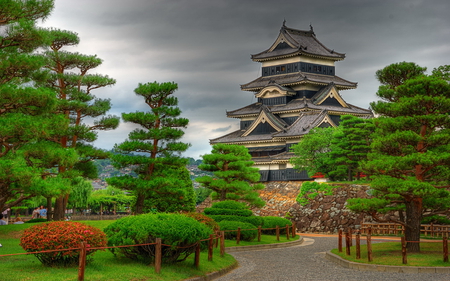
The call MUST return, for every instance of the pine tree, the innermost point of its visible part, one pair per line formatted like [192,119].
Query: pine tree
[26,119]
[68,74]
[410,158]
[234,177]
[153,151]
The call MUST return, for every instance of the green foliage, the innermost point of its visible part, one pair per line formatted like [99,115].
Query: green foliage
[206,220]
[230,204]
[201,194]
[410,158]
[248,231]
[310,189]
[174,229]
[234,177]
[312,153]
[255,220]
[436,219]
[162,181]
[273,222]
[36,220]
[61,235]
[233,212]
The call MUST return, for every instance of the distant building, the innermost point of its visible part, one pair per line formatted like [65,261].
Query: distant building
[297,91]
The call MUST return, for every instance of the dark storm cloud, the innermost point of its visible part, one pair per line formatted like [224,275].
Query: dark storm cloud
[205,47]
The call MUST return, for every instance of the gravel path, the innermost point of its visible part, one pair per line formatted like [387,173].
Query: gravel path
[307,262]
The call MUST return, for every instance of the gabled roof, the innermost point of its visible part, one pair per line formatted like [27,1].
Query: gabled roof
[297,78]
[298,105]
[327,93]
[266,116]
[293,42]
[275,87]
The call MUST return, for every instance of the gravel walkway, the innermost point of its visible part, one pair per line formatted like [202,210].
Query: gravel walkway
[307,262]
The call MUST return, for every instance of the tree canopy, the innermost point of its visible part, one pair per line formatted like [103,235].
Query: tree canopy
[153,151]
[234,177]
[410,157]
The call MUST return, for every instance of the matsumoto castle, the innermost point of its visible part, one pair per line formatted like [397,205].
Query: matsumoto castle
[297,91]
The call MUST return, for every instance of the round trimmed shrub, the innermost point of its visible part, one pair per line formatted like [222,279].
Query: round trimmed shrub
[233,212]
[272,222]
[230,204]
[61,235]
[255,220]
[248,231]
[209,222]
[176,230]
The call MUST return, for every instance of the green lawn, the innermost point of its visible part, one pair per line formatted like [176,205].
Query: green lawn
[104,267]
[389,253]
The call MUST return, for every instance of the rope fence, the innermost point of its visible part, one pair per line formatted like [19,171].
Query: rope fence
[348,238]
[214,240]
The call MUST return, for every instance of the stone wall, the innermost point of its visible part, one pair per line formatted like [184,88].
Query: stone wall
[328,213]
[324,214]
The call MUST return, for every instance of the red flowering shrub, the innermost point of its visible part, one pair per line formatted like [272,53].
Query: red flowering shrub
[61,235]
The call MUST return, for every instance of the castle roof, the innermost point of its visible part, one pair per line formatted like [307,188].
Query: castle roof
[298,78]
[293,42]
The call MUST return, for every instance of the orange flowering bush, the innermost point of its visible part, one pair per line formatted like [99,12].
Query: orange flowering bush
[61,235]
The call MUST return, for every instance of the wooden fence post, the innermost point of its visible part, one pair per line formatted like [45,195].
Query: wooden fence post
[259,233]
[197,255]
[445,246]
[340,241]
[210,247]
[293,230]
[369,244]
[82,261]
[404,259]
[350,234]
[158,255]
[216,240]
[278,233]
[222,243]
[358,246]
[287,231]
[347,243]
[238,236]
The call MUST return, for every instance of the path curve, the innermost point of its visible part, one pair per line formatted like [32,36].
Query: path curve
[306,262]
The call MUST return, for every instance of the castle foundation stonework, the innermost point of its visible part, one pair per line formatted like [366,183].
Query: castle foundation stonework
[323,214]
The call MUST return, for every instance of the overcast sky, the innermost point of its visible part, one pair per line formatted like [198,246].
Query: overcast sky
[205,47]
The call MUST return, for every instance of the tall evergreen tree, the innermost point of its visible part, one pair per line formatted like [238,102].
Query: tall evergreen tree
[410,161]
[234,177]
[26,118]
[157,160]
[68,74]
[350,146]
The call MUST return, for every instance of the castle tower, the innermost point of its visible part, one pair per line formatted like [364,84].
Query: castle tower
[296,92]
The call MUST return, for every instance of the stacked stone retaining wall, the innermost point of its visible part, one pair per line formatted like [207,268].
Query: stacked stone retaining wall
[324,213]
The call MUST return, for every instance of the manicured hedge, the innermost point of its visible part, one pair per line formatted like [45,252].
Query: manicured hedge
[206,220]
[256,221]
[232,212]
[230,204]
[246,235]
[173,229]
[272,222]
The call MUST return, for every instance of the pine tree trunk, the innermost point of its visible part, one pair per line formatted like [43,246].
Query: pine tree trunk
[49,209]
[59,209]
[140,203]
[412,229]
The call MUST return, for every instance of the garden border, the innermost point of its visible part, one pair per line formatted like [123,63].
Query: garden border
[384,268]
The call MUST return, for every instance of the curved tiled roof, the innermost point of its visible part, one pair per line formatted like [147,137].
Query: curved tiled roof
[297,105]
[296,78]
[299,42]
